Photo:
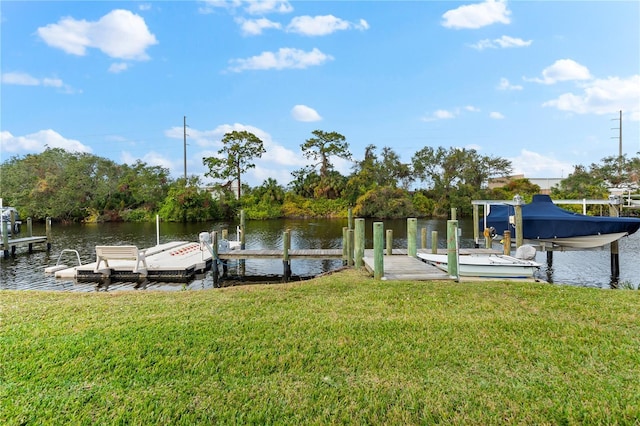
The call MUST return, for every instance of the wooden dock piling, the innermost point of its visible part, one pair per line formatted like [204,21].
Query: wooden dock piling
[452,248]
[506,243]
[412,236]
[378,253]
[286,262]
[359,242]
[434,242]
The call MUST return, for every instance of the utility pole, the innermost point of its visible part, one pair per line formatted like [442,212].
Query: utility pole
[619,128]
[185,149]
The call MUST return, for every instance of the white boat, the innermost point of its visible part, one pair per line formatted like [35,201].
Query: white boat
[489,266]
[5,220]
[545,223]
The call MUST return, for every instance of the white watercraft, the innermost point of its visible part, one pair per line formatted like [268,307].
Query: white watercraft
[5,220]
[489,266]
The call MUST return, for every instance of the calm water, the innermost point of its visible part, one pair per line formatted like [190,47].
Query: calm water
[26,271]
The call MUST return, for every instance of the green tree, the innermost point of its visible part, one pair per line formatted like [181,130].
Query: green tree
[617,171]
[238,150]
[522,187]
[457,175]
[393,172]
[186,202]
[325,145]
[385,203]
[71,186]
[580,184]
[264,201]
[304,181]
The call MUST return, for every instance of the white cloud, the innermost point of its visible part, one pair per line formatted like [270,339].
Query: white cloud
[502,42]
[443,114]
[119,34]
[305,113]
[496,115]
[145,6]
[21,79]
[252,7]
[563,70]
[267,6]
[322,25]
[207,138]
[534,165]
[284,58]
[152,158]
[256,26]
[24,79]
[118,67]
[38,142]
[505,85]
[477,15]
[440,114]
[603,97]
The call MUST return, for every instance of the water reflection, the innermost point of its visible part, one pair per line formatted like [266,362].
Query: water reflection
[25,270]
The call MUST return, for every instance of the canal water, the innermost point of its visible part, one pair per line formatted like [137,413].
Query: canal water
[26,270]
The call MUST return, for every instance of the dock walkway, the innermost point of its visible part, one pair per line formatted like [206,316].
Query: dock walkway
[279,254]
[399,267]
[12,244]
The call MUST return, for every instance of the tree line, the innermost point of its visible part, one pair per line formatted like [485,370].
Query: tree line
[71,186]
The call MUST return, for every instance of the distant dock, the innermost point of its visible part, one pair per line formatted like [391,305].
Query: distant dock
[10,245]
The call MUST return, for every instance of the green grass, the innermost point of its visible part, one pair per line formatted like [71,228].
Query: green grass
[341,349]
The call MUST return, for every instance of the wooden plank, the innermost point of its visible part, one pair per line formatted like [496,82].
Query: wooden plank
[278,254]
[400,267]
[27,240]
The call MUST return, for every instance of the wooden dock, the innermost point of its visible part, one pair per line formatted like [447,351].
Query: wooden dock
[400,266]
[403,267]
[9,245]
[320,254]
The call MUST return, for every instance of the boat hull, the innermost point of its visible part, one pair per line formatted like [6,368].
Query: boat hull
[492,266]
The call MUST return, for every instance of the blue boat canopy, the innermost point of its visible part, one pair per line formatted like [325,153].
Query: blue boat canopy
[541,219]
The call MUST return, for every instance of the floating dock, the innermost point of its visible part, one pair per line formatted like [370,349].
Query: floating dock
[176,261]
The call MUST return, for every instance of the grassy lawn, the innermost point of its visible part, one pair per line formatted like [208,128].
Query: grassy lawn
[341,349]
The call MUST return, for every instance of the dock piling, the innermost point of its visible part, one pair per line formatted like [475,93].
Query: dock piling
[345,248]
[214,260]
[507,243]
[412,236]
[452,248]
[518,213]
[5,239]
[48,233]
[434,242]
[359,242]
[389,242]
[614,248]
[378,253]
[286,262]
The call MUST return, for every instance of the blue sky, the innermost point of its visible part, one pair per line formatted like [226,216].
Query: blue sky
[539,83]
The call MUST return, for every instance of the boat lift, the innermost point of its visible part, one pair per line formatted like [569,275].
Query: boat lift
[615,203]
